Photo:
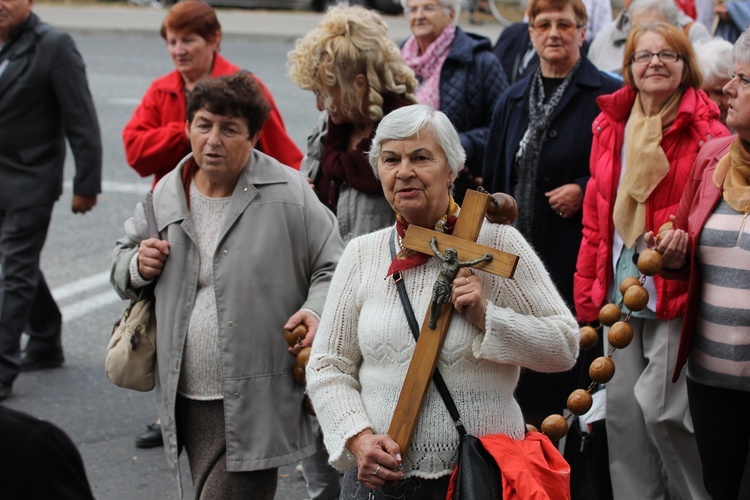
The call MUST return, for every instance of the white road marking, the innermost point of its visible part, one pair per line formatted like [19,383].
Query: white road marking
[90,304]
[80,286]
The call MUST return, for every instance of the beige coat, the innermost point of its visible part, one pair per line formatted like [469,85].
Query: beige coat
[276,254]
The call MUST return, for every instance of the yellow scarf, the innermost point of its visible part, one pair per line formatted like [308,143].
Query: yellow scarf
[732,176]
[645,166]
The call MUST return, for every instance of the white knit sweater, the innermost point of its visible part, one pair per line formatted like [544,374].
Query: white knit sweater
[363,348]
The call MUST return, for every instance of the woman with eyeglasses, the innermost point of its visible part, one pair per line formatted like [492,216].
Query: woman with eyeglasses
[458,74]
[538,151]
[645,142]
[710,249]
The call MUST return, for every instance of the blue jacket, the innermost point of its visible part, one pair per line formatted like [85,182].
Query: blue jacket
[471,81]
[564,159]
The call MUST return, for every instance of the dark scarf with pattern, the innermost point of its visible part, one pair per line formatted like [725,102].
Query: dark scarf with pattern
[530,147]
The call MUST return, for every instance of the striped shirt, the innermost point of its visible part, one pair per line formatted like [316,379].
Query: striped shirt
[720,356]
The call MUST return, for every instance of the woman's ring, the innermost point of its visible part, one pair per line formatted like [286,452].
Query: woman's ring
[377,469]
[468,281]
[559,213]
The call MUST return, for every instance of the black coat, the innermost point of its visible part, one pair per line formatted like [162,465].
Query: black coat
[44,97]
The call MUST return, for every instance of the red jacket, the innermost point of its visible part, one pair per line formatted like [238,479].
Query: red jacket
[696,122]
[155,139]
[697,204]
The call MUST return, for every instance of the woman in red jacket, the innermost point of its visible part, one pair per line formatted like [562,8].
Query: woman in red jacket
[711,249]
[645,142]
[155,139]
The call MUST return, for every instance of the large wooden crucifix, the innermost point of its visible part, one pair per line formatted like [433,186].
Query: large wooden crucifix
[430,342]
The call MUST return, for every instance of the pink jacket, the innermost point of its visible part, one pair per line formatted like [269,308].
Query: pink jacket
[696,122]
[155,139]
[698,202]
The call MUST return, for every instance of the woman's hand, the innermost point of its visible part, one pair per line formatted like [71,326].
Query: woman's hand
[152,254]
[468,297]
[566,200]
[378,457]
[672,247]
[308,319]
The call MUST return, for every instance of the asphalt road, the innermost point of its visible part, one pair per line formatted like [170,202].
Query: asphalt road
[100,418]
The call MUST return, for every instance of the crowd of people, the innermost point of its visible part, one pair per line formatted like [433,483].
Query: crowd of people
[613,137]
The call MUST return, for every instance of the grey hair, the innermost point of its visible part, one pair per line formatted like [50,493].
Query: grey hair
[448,4]
[741,51]
[411,120]
[714,59]
[667,8]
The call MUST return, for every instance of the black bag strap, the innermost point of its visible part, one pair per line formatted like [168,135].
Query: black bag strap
[153,228]
[437,378]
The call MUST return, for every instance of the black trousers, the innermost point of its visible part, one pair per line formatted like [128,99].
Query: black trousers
[26,304]
[723,437]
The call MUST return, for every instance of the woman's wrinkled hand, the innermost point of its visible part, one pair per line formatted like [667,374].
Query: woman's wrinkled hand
[468,297]
[672,246]
[308,319]
[566,200]
[378,457]
[152,254]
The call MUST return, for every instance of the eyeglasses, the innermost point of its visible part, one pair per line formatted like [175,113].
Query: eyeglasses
[665,56]
[563,26]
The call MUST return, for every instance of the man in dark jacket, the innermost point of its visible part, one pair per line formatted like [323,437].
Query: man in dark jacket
[44,97]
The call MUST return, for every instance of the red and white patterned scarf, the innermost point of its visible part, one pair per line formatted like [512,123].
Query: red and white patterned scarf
[427,66]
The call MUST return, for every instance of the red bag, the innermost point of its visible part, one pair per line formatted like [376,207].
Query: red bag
[531,468]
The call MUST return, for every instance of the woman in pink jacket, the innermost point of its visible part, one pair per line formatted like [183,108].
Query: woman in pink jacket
[645,142]
[711,248]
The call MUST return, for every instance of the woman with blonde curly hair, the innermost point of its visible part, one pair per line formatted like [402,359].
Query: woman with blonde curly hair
[358,76]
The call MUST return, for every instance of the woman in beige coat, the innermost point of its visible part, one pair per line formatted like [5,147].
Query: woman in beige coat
[245,250]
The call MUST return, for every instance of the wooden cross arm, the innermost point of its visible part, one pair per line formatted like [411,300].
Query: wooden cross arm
[502,264]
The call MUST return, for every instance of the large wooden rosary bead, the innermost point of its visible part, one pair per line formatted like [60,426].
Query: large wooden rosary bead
[627,283]
[609,314]
[303,356]
[589,338]
[555,427]
[580,401]
[635,298]
[620,335]
[295,336]
[649,262]
[503,209]
[667,226]
[299,375]
[602,370]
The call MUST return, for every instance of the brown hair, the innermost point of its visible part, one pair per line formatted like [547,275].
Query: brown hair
[677,40]
[192,16]
[237,95]
[537,7]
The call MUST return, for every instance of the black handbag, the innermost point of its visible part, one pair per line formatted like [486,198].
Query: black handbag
[478,476]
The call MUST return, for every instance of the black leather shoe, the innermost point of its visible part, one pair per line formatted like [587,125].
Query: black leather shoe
[151,438]
[32,362]
[5,390]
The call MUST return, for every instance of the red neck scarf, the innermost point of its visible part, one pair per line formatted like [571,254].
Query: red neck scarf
[406,258]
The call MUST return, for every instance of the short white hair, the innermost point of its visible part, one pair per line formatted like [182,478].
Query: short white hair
[667,8]
[411,120]
[448,4]
[714,58]
[741,51]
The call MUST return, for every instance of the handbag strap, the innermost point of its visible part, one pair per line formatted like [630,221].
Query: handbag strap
[153,228]
[437,377]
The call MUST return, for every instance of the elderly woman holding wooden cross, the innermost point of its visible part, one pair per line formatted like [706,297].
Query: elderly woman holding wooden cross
[364,345]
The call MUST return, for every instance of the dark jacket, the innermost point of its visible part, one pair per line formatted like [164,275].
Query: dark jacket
[471,81]
[44,97]
[564,159]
